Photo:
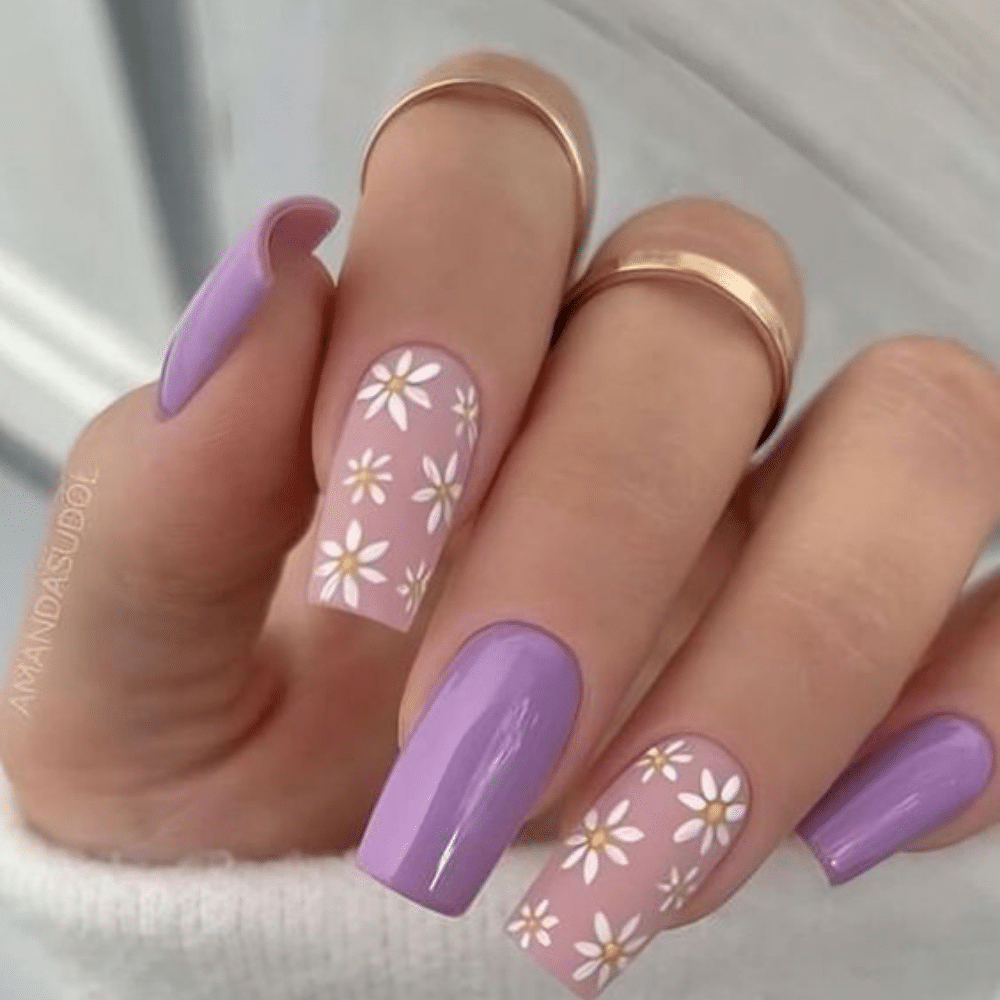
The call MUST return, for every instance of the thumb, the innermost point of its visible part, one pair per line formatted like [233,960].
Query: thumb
[168,533]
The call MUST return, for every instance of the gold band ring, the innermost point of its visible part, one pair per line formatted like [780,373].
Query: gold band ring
[486,87]
[683,265]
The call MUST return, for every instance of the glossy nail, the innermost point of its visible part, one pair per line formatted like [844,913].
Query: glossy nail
[898,794]
[628,870]
[219,311]
[395,482]
[473,767]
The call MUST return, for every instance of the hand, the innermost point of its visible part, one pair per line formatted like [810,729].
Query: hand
[630,622]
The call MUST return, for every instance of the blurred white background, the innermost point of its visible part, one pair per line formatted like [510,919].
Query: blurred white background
[137,136]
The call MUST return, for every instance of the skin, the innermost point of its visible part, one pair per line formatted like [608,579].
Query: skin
[190,700]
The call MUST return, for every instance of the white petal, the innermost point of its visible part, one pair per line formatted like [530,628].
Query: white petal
[575,840]
[730,789]
[647,774]
[424,373]
[688,831]
[629,929]
[735,813]
[590,866]
[434,518]
[603,976]
[672,748]
[372,552]
[397,410]
[692,801]
[377,494]
[691,875]
[706,840]
[722,834]
[591,820]
[616,854]
[357,495]
[450,472]
[550,921]
[380,372]
[541,908]
[516,925]
[431,470]
[353,466]
[708,786]
[371,391]
[371,575]
[618,813]
[325,569]
[602,928]
[332,549]
[351,594]
[669,772]
[376,405]
[405,363]
[353,539]
[588,949]
[635,945]
[379,462]
[425,494]
[574,857]
[525,939]
[367,457]
[330,587]
[585,971]
[682,758]
[543,937]
[403,590]
[627,834]
[417,395]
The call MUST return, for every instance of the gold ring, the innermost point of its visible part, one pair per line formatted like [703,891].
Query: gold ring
[485,87]
[683,265]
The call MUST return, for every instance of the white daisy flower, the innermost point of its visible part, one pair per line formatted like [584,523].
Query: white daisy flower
[442,491]
[347,563]
[662,760]
[609,953]
[677,889]
[414,587]
[467,409]
[391,389]
[367,473]
[533,923]
[594,839]
[716,811]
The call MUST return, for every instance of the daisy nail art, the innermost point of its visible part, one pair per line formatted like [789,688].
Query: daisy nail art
[399,473]
[640,854]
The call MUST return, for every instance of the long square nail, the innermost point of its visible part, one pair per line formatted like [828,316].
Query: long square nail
[639,854]
[898,793]
[473,767]
[396,479]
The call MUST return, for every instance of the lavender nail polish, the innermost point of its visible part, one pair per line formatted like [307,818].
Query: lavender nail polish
[216,315]
[897,794]
[473,767]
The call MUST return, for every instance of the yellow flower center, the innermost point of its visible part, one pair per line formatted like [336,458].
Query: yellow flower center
[715,812]
[364,476]
[348,563]
[395,384]
[598,838]
[611,952]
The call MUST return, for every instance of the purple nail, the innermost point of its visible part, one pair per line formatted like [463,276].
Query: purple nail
[473,767]
[216,316]
[898,794]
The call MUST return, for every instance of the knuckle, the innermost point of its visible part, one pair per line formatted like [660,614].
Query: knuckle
[945,392]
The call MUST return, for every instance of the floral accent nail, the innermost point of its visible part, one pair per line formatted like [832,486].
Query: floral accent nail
[684,802]
[533,923]
[348,562]
[467,409]
[716,809]
[442,492]
[609,953]
[392,389]
[664,760]
[595,838]
[678,888]
[366,476]
[414,586]
[398,470]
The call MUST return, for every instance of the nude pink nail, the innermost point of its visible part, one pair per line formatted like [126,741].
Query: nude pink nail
[628,870]
[396,481]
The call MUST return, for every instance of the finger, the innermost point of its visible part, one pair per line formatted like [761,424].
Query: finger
[859,556]
[927,778]
[649,410]
[169,530]
[456,264]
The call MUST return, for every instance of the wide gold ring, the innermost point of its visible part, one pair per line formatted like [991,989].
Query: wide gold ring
[683,265]
[483,86]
